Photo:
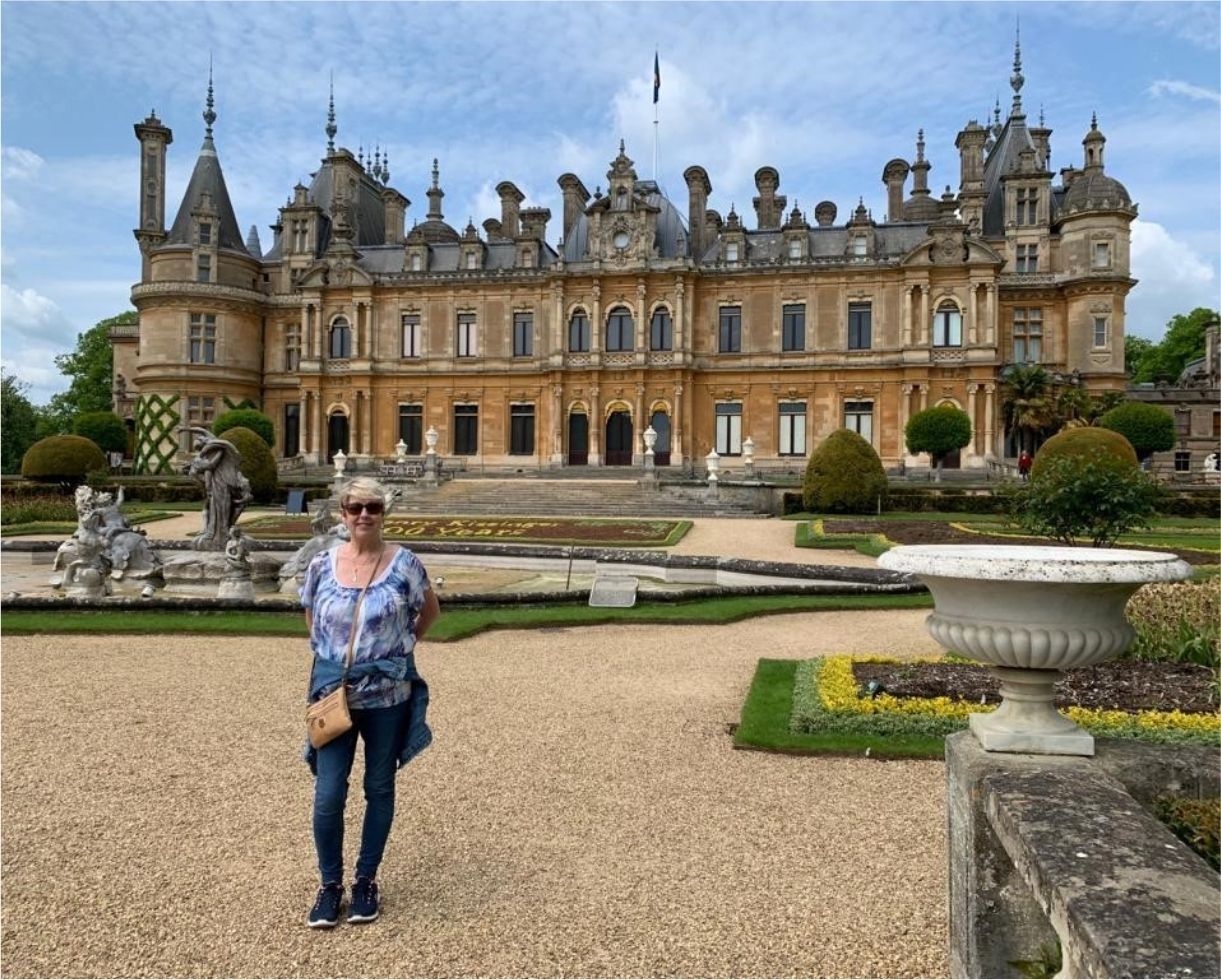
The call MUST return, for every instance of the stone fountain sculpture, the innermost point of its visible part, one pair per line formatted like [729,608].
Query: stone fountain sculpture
[86,574]
[238,582]
[226,491]
[104,542]
[326,533]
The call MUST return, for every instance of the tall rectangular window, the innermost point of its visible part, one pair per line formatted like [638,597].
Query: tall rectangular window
[860,326]
[292,430]
[578,333]
[1217,425]
[1102,255]
[1027,334]
[523,334]
[521,430]
[411,428]
[466,430]
[620,328]
[1100,331]
[411,335]
[661,330]
[1027,258]
[205,233]
[729,429]
[200,410]
[730,333]
[858,416]
[203,269]
[1182,461]
[203,338]
[793,327]
[467,343]
[292,348]
[947,326]
[1027,207]
[792,429]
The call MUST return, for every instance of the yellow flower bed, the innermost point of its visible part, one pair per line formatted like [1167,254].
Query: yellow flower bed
[838,691]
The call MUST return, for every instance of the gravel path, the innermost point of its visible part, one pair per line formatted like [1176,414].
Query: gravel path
[581,813]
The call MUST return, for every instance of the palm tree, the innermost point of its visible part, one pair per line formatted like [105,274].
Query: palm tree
[1027,406]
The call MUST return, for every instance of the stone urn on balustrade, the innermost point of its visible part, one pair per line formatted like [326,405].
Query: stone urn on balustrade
[1031,613]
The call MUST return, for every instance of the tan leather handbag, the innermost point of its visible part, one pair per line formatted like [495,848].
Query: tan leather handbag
[328,718]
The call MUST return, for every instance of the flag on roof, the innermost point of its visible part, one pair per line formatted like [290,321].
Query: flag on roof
[656,77]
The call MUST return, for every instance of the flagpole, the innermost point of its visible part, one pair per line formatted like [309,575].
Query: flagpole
[654,142]
[656,91]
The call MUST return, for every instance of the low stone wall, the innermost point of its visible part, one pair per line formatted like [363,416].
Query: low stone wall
[1047,848]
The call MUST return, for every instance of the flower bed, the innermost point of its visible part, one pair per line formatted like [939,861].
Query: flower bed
[828,698]
[556,530]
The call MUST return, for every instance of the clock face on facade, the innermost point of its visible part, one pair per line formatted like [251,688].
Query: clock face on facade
[621,239]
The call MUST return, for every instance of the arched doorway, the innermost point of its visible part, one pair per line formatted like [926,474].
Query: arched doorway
[578,439]
[619,439]
[660,422]
[336,435]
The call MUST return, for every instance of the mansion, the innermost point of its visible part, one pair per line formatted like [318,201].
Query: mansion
[541,341]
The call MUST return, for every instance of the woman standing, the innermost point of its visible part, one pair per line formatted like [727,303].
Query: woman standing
[386,696]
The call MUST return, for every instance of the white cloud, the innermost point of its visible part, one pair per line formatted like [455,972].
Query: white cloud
[20,163]
[1170,87]
[1174,278]
[28,313]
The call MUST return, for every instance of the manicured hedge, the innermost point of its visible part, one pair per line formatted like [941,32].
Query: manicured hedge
[62,459]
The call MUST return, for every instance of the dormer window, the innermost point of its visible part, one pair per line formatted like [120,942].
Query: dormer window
[203,269]
[472,260]
[795,249]
[859,246]
[205,233]
[1027,206]
[416,263]
[1028,258]
[731,252]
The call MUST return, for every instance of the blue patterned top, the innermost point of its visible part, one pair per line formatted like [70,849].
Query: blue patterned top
[387,621]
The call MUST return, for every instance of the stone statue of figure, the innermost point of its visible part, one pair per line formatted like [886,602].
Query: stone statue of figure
[237,552]
[227,492]
[125,550]
[1212,463]
[86,574]
[326,533]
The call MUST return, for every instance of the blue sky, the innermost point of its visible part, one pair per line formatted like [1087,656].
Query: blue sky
[826,93]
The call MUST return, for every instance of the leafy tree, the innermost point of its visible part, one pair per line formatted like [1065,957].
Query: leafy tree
[90,368]
[1072,497]
[1149,428]
[246,418]
[1075,406]
[1135,352]
[938,431]
[1183,342]
[844,475]
[1026,403]
[18,423]
[1103,448]
[104,428]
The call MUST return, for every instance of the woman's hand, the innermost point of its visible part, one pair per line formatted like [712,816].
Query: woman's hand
[428,614]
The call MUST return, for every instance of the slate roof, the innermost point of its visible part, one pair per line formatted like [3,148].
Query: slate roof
[370,212]
[671,241]
[207,178]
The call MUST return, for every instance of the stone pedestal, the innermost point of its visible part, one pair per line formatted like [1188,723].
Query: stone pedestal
[235,587]
[201,572]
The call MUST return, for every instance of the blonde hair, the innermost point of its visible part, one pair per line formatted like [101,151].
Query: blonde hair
[363,488]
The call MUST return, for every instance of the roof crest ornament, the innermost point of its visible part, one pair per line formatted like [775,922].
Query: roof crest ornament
[331,128]
[1094,120]
[209,115]
[1016,80]
[920,146]
[436,173]
[386,167]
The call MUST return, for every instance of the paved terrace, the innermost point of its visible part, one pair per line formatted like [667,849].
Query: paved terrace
[581,813]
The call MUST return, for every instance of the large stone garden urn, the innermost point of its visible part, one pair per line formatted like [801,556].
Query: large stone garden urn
[1031,613]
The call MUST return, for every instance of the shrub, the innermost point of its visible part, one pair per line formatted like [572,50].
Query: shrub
[258,465]
[1148,428]
[844,476]
[1101,447]
[104,428]
[62,459]
[1189,504]
[1090,495]
[1178,622]
[1197,823]
[938,431]
[29,508]
[246,418]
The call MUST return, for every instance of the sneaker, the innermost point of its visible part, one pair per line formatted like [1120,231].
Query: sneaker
[325,913]
[364,904]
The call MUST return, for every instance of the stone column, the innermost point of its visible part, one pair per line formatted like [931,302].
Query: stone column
[972,402]
[638,428]
[315,319]
[907,316]
[990,326]
[559,342]
[316,434]
[302,424]
[905,404]
[642,328]
[595,427]
[924,396]
[676,428]
[367,444]
[989,447]
[307,331]
[924,315]
[557,424]
[679,303]
[973,325]
[595,322]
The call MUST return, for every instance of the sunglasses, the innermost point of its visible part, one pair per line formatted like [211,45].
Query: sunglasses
[370,507]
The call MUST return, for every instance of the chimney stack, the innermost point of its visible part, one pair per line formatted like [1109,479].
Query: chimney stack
[510,205]
[698,189]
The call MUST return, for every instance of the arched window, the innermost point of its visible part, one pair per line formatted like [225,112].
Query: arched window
[341,338]
[620,329]
[947,326]
[661,330]
[578,332]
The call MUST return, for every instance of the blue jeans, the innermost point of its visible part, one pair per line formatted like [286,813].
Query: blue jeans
[382,730]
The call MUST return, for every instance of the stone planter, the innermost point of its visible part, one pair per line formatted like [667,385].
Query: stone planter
[1031,613]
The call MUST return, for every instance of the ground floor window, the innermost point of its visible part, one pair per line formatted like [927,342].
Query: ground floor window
[858,416]
[466,430]
[292,430]
[792,429]
[1182,462]
[729,429]
[521,430]
[411,428]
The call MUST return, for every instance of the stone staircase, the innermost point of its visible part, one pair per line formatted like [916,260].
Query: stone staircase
[563,498]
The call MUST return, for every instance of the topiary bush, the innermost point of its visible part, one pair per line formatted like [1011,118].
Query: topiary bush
[104,428]
[257,465]
[938,431]
[1148,428]
[1101,447]
[62,459]
[246,418]
[844,476]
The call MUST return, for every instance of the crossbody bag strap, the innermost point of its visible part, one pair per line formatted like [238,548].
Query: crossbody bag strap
[347,660]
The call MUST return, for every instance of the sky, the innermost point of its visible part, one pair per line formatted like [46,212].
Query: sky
[826,93]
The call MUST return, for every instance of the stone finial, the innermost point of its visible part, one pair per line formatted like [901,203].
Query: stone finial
[436,174]
[920,146]
[1016,79]
[331,128]
[386,167]
[209,115]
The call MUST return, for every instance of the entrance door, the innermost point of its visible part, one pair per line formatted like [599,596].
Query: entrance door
[337,435]
[578,440]
[952,461]
[661,448]
[619,439]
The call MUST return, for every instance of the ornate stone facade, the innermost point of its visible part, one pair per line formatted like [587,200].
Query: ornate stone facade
[354,332]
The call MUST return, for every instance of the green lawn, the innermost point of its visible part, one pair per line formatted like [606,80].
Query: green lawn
[456,623]
[136,516]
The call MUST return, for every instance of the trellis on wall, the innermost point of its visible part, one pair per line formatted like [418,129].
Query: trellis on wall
[157,421]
